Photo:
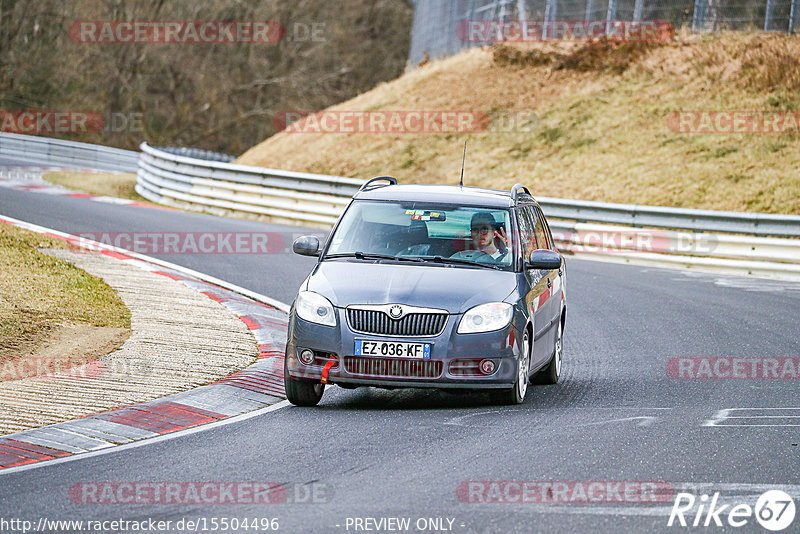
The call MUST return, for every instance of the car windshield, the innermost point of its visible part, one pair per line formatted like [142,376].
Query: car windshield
[444,233]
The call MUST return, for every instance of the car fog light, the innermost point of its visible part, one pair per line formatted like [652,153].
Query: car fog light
[487,367]
[307,357]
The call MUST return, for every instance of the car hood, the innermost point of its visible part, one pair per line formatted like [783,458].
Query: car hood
[452,289]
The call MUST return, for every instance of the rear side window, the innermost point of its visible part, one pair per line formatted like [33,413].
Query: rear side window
[527,232]
[542,232]
[550,241]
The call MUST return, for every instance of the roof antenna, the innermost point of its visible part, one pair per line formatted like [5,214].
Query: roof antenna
[464,157]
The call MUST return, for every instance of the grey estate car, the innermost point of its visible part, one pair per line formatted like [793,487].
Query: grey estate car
[427,286]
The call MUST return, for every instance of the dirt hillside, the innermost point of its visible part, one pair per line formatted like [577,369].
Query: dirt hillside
[593,121]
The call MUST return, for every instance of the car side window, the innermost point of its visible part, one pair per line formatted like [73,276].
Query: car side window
[542,231]
[539,228]
[527,234]
[551,244]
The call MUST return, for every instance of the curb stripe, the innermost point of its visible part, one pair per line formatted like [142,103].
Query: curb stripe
[263,380]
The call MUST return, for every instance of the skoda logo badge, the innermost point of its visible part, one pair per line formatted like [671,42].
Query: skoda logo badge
[395,312]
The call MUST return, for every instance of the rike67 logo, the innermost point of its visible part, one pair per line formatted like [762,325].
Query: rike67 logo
[774,510]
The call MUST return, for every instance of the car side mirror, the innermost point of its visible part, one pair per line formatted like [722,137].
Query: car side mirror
[544,259]
[307,245]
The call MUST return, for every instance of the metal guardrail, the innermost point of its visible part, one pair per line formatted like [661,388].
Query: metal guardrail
[56,152]
[721,240]
[316,198]
[681,236]
[217,187]
[760,224]
[739,254]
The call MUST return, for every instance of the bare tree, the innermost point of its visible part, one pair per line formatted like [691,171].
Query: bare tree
[215,96]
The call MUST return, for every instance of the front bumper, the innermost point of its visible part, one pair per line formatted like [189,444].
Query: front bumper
[453,354]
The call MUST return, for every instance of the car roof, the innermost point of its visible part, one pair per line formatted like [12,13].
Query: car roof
[446,194]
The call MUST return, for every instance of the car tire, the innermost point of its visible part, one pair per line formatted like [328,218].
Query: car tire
[551,373]
[302,392]
[516,395]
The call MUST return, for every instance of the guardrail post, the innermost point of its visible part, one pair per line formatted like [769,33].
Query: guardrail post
[523,17]
[768,15]
[549,16]
[637,11]
[611,15]
[699,17]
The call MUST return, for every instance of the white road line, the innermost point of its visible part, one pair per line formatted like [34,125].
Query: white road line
[719,418]
[725,425]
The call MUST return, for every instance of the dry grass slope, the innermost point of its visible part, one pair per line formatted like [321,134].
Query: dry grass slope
[110,184]
[600,126]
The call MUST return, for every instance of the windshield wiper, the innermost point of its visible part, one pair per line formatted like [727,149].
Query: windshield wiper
[373,256]
[458,261]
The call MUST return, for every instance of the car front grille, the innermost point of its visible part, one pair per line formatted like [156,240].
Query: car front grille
[393,367]
[412,324]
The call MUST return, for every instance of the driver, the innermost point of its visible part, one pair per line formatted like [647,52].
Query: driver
[487,239]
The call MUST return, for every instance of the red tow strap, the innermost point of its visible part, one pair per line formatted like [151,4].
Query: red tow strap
[330,363]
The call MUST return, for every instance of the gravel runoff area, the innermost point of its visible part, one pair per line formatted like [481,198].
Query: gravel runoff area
[181,339]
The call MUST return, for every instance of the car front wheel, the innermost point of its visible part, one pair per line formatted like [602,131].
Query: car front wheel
[551,373]
[302,392]
[516,395]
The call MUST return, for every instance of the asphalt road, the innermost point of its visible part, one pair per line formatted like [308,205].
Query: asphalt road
[277,276]
[616,415]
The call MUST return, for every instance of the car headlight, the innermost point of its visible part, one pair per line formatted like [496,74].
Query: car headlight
[315,308]
[486,317]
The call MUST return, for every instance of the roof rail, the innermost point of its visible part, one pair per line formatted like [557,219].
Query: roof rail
[390,179]
[516,189]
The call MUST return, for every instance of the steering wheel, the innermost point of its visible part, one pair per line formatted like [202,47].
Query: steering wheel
[420,249]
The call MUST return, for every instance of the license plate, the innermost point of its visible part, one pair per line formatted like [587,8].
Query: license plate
[395,349]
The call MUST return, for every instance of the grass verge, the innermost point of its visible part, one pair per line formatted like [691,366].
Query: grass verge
[40,294]
[120,185]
